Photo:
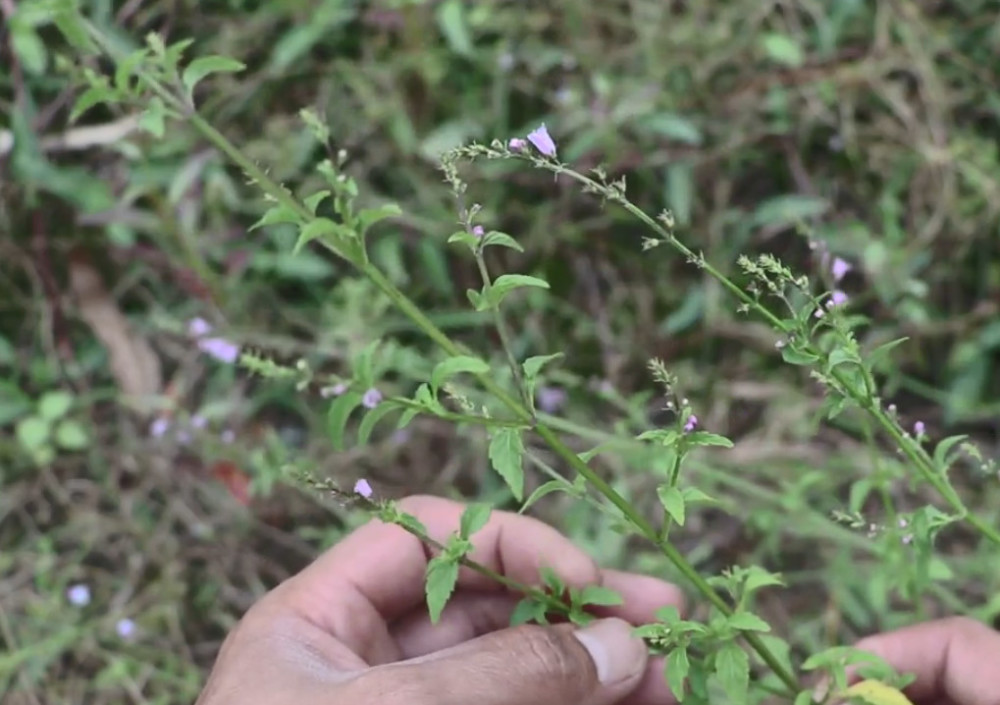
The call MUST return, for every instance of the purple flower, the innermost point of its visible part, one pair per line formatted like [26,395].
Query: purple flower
[551,399]
[478,231]
[919,428]
[333,391]
[517,145]
[125,628]
[371,398]
[691,423]
[839,268]
[221,349]
[198,421]
[363,488]
[78,595]
[542,140]
[837,298]
[198,327]
[159,427]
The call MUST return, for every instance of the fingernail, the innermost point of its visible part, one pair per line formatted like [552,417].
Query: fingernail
[617,654]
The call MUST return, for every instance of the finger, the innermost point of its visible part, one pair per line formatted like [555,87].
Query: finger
[953,659]
[376,574]
[531,665]
[642,596]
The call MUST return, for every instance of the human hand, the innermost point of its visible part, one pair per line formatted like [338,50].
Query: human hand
[353,627]
[955,660]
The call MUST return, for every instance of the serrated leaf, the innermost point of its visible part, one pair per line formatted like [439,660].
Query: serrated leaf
[442,575]
[749,622]
[875,692]
[32,432]
[506,451]
[205,66]
[71,435]
[312,202]
[880,353]
[839,357]
[495,238]
[544,489]
[464,237]
[54,405]
[600,596]
[371,420]
[474,518]
[95,95]
[758,578]
[941,451]
[507,283]
[318,228]
[277,214]
[796,357]
[153,118]
[369,216]
[672,501]
[533,365]
[447,369]
[732,666]
[336,417]
[526,611]
[704,438]
[676,669]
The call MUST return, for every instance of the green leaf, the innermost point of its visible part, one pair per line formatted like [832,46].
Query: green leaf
[532,366]
[95,95]
[805,697]
[789,210]
[758,578]
[71,435]
[506,450]
[732,666]
[153,118]
[600,596]
[839,356]
[674,127]
[527,610]
[941,451]
[369,216]
[32,432]
[673,502]
[411,522]
[69,23]
[748,621]
[552,581]
[54,405]
[881,353]
[544,489]
[371,420]
[703,438]
[312,202]
[464,237]
[495,238]
[336,418]
[364,365]
[442,574]
[506,283]
[676,670]
[319,228]
[29,48]
[474,518]
[451,20]
[796,357]
[455,365]
[783,49]
[276,215]
[693,495]
[205,66]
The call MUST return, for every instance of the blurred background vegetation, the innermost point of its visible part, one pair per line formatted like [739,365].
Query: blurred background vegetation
[874,124]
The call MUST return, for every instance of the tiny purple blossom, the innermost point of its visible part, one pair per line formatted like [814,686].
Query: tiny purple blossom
[837,298]
[333,391]
[221,349]
[159,427]
[839,268]
[78,595]
[198,327]
[517,144]
[919,428]
[551,399]
[363,488]
[371,398]
[478,231]
[198,421]
[125,628]
[542,140]
[691,423]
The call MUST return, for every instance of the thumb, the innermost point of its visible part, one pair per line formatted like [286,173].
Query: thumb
[529,665]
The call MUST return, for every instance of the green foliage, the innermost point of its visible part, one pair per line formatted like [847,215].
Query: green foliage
[506,455]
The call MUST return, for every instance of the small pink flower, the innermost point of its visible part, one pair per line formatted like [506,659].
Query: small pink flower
[919,428]
[837,298]
[478,231]
[543,141]
[78,595]
[839,268]
[551,399]
[371,398]
[334,391]
[363,488]
[125,628]
[517,145]
[691,423]
[199,327]
[221,349]
[159,427]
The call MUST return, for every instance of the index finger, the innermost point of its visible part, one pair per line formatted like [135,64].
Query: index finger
[953,659]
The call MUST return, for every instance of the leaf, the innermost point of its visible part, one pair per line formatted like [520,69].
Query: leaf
[464,237]
[371,419]
[703,438]
[69,23]
[796,357]
[95,95]
[674,127]
[532,366]
[693,495]
[32,432]
[153,118]
[71,435]
[442,574]
[312,202]
[789,210]
[732,666]
[527,610]
[544,489]
[758,578]
[680,196]
[600,595]
[506,449]
[474,518]
[552,581]
[876,693]
[676,670]
[506,283]
[451,20]
[29,48]
[455,365]
[881,353]
[783,49]
[495,238]
[941,451]
[749,622]
[318,228]
[673,502]
[205,66]
[54,405]
[276,215]
[369,216]
[336,417]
